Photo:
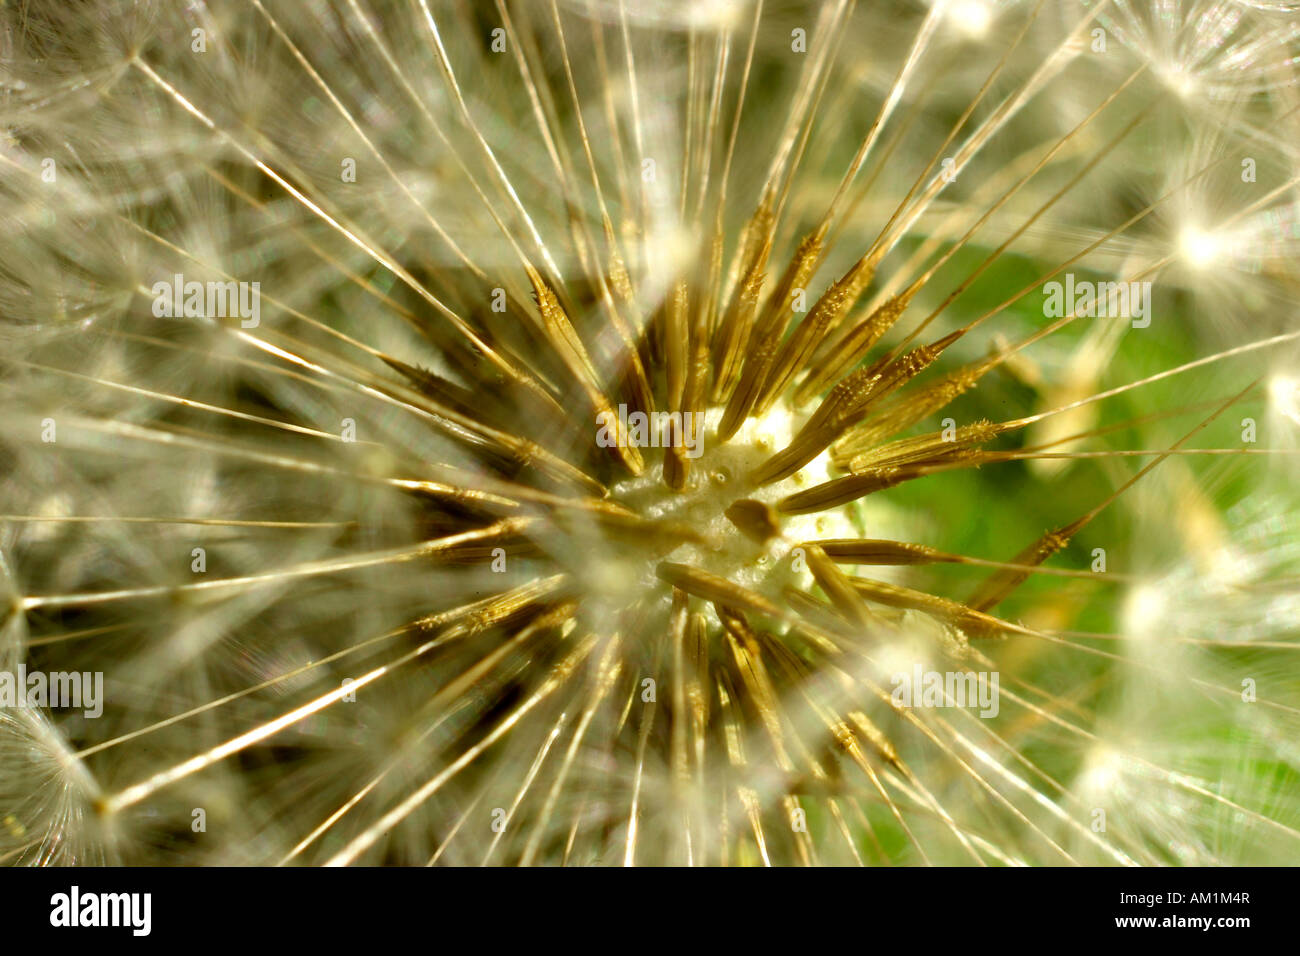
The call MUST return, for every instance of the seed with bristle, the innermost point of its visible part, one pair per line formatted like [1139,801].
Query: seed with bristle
[767,333]
[877,551]
[851,348]
[905,411]
[909,451]
[825,314]
[974,623]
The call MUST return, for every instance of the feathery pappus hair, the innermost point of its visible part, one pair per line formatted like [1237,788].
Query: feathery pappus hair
[664,432]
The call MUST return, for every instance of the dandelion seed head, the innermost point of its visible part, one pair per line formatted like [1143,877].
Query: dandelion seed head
[392,482]
[1208,50]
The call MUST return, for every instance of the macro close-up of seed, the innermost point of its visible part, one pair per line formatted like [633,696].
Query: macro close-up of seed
[650,432]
